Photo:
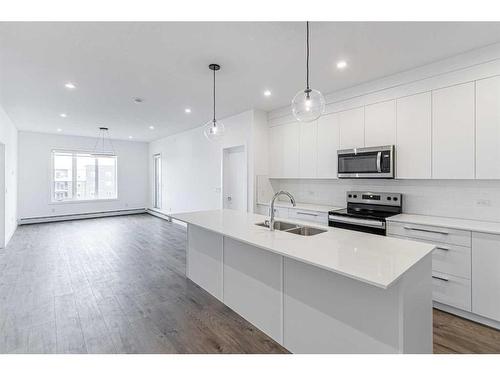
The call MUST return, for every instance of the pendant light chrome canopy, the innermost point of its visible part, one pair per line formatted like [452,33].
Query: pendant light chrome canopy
[214,130]
[309,104]
[104,146]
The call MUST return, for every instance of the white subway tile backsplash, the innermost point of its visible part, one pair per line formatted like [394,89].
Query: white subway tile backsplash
[449,198]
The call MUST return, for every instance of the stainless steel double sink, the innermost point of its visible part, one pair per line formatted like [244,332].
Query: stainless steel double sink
[301,230]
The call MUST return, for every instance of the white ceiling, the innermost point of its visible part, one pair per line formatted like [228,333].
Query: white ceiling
[167,65]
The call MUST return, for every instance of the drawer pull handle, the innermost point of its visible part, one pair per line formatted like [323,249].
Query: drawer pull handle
[306,213]
[440,278]
[425,230]
[443,248]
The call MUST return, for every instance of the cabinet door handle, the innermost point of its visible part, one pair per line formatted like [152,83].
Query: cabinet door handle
[306,213]
[440,278]
[425,230]
[443,248]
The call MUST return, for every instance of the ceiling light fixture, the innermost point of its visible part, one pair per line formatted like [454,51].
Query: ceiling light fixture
[267,93]
[151,127]
[70,85]
[214,130]
[100,147]
[130,137]
[309,104]
[59,130]
[64,115]
[341,64]
[187,110]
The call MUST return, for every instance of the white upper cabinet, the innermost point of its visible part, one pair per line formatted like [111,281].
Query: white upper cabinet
[328,144]
[453,132]
[380,124]
[488,128]
[308,154]
[352,128]
[276,154]
[414,134]
[291,147]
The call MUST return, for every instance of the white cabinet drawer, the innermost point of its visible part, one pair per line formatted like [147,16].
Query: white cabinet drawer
[430,233]
[451,290]
[450,259]
[308,215]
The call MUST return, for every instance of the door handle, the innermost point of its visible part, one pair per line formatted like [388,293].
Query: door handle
[425,230]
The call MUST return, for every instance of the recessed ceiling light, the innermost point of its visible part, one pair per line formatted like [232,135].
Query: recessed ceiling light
[152,127]
[70,85]
[63,115]
[187,110]
[59,130]
[267,93]
[130,137]
[341,64]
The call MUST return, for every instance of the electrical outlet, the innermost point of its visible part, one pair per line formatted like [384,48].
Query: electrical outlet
[483,203]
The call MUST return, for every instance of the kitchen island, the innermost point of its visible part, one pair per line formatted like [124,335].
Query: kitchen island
[338,291]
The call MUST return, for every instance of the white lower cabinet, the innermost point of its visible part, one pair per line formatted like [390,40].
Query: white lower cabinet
[252,286]
[486,275]
[451,260]
[308,215]
[451,290]
[204,260]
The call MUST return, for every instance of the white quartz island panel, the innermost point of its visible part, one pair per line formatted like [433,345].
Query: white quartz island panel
[336,292]
[375,260]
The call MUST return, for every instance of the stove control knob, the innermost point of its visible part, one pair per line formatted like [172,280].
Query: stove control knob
[389,198]
[395,198]
[355,196]
[350,195]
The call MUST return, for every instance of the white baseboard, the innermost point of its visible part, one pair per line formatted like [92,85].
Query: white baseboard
[467,315]
[87,215]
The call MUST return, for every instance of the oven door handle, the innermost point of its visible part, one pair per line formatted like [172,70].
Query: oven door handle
[379,159]
[362,222]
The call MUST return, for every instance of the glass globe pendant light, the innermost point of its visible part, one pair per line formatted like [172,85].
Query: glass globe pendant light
[214,130]
[309,104]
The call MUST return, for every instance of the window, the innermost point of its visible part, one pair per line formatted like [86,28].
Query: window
[80,176]
[157,181]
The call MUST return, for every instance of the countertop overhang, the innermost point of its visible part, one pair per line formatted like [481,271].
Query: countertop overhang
[376,260]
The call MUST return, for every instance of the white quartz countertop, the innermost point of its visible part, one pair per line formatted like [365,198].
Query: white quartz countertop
[303,206]
[448,222]
[369,258]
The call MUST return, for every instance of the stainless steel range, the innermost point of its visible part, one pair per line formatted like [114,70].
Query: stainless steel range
[366,212]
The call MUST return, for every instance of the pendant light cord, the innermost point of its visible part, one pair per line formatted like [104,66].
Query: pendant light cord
[214,98]
[307,55]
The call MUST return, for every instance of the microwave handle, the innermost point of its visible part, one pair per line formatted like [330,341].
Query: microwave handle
[379,158]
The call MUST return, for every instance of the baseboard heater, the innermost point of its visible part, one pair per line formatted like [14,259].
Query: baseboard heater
[87,215]
[164,216]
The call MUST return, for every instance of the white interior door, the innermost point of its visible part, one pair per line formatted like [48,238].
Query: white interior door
[234,178]
[2,195]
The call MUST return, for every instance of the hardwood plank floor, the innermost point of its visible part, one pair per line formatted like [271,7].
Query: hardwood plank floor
[112,285]
[118,285]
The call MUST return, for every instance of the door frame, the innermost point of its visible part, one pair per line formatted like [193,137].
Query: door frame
[245,157]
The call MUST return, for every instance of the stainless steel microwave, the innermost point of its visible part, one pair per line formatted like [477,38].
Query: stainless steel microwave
[366,162]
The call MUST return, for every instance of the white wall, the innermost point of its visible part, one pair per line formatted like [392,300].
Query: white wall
[8,136]
[192,165]
[35,169]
